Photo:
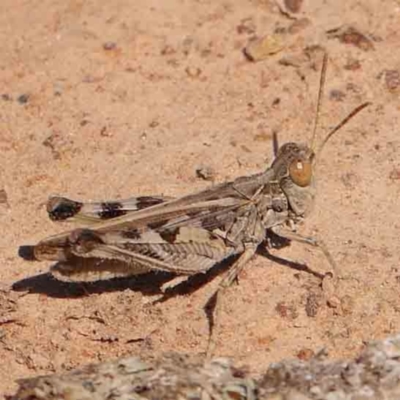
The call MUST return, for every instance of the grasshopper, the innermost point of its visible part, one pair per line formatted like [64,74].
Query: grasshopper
[189,235]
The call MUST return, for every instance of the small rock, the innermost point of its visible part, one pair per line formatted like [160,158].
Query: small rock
[286,311]
[336,95]
[58,143]
[347,305]
[105,132]
[109,46]
[392,79]
[143,135]
[52,143]
[154,123]
[193,72]
[246,26]
[350,180]
[312,304]
[266,341]
[352,64]
[394,174]
[276,102]
[291,9]
[305,354]
[352,87]
[167,50]
[205,172]
[23,98]
[333,302]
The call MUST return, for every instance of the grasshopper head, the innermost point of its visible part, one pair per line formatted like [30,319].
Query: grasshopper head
[295,163]
[293,169]
[298,159]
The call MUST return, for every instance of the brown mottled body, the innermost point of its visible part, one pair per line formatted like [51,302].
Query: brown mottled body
[185,236]
[189,235]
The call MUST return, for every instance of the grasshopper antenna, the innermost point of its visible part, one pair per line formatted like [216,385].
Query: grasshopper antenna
[275,143]
[319,101]
[317,114]
[340,125]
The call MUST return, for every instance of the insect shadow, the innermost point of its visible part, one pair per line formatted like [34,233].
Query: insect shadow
[148,284]
[196,281]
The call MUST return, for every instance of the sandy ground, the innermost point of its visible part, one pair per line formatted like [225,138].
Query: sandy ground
[107,100]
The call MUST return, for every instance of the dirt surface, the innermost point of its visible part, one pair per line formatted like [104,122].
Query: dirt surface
[107,100]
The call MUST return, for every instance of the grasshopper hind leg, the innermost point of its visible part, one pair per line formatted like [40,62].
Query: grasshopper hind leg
[62,208]
[94,270]
[217,297]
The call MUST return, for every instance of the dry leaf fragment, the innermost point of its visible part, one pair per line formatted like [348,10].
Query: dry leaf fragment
[261,48]
[293,6]
[3,197]
[351,35]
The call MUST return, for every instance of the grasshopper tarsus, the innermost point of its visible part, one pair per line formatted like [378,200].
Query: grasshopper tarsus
[311,241]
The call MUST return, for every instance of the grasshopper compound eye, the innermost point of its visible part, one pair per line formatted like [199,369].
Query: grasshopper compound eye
[300,172]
